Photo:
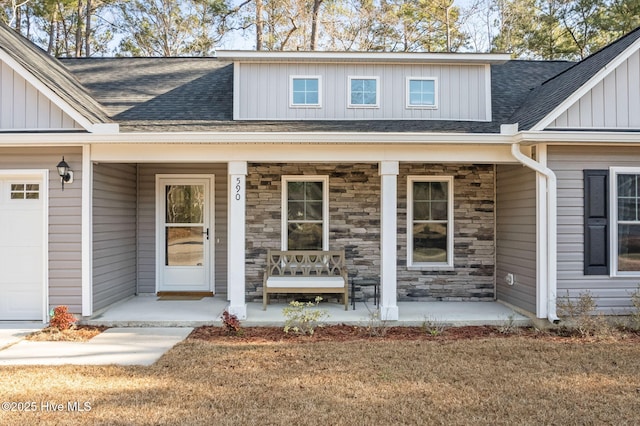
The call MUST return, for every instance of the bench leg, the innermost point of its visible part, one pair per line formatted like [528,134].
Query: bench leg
[346,300]
[265,297]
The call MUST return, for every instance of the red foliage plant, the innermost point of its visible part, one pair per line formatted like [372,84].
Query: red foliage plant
[231,323]
[62,319]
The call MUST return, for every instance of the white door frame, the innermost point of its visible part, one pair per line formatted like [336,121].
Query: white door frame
[159,228]
[43,176]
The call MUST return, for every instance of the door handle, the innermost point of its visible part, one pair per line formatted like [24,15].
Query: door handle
[206,233]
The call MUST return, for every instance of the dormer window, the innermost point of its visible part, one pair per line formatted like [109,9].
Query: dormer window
[364,92]
[305,91]
[422,92]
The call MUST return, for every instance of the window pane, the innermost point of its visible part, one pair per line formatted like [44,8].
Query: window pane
[439,191]
[298,98]
[369,86]
[422,92]
[184,203]
[17,195]
[184,246]
[627,186]
[33,187]
[299,85]
[305,236]
[33,195]
[421,210]
[296,210]
[357,98]
[314,210]
[313,190]
[295,190]
[17,187]
[312,85]
[421,191]
[430,242]
[439,210]
[629,247]
[627,209]
[312,98]
[369,98]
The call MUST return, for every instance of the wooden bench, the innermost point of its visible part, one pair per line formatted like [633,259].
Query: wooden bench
[305,271]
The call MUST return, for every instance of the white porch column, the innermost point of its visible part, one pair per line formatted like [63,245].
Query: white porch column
[388,171]
[87,232]
[236,239]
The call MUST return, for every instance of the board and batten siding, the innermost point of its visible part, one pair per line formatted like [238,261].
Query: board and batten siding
[65,219]
[612,294]
[114,233]
[263,91]
[147,220]
[612,103]
[22,106]
[516,235]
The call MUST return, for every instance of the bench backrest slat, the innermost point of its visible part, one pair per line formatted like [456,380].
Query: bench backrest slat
[305,263]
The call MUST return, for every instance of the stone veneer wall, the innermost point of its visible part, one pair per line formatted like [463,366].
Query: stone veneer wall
[472,277]
[354,225]
[354,217]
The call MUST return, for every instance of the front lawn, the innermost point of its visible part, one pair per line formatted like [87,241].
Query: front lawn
[515,380]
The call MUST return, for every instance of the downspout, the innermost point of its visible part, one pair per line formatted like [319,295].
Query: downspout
[552,221]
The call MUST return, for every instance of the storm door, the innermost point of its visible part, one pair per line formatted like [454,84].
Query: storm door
[184,234]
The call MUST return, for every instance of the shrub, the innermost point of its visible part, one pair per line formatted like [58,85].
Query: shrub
[635,313]
[581,316]
[300,318]
[376,326]
[61,318]
[231,323]
[432,326]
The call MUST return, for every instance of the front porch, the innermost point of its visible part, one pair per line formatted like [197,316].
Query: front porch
[148,311]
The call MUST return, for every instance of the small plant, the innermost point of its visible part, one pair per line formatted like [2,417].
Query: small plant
[635,313]
[231,323]
[61,318]
[376,326]
[581,316]
[301,318]
[509,326]
[433,327]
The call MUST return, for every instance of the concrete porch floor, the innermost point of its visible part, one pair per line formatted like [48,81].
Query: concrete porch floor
[148,311]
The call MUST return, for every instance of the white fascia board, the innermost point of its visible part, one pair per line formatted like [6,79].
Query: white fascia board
[579,137]
[41,87]
[17,139]
[590,84]
[346,57]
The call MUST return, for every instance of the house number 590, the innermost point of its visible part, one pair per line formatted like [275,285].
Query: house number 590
[238,188]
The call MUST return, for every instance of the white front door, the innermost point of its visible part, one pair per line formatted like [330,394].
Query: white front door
[184,212]
[22,241]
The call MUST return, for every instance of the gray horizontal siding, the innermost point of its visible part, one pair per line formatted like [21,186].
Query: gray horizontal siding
[264,92]
[147,220]
[516,235]
[65,219]
[114,233]
[612,293]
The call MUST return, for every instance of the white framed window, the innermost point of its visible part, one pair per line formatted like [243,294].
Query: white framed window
[364,92]
[24,191]
[305,213]
[625,221]
[430,221]
[422,92]
[305,91]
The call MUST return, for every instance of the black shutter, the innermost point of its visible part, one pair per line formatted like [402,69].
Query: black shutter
[596,222]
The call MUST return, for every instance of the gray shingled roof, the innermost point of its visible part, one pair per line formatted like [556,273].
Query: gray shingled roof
[554,91]
[195,94]
[51,73]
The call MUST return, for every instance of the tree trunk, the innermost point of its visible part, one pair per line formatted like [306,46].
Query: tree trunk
[87,31]
[78,44]
[259,26]
[314,23]
[52,31]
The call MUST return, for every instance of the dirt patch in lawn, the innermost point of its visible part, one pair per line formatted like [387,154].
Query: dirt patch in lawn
[347,333]
[80,333]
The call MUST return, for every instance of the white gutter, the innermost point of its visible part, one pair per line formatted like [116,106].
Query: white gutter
[551,221]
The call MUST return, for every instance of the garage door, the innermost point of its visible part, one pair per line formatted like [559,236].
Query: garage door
[21,248]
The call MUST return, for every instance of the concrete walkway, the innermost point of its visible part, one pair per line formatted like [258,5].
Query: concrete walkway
[13,332]
[122,346]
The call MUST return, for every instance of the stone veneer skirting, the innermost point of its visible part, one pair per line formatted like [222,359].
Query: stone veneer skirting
[354,225]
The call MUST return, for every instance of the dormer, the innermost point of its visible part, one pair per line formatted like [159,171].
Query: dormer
[361,86]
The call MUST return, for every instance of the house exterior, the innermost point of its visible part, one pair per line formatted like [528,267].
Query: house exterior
[443,176]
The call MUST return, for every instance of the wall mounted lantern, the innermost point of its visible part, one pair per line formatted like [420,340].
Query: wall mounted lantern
[66,175]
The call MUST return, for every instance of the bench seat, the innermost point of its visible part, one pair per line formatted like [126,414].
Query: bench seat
[306,271]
